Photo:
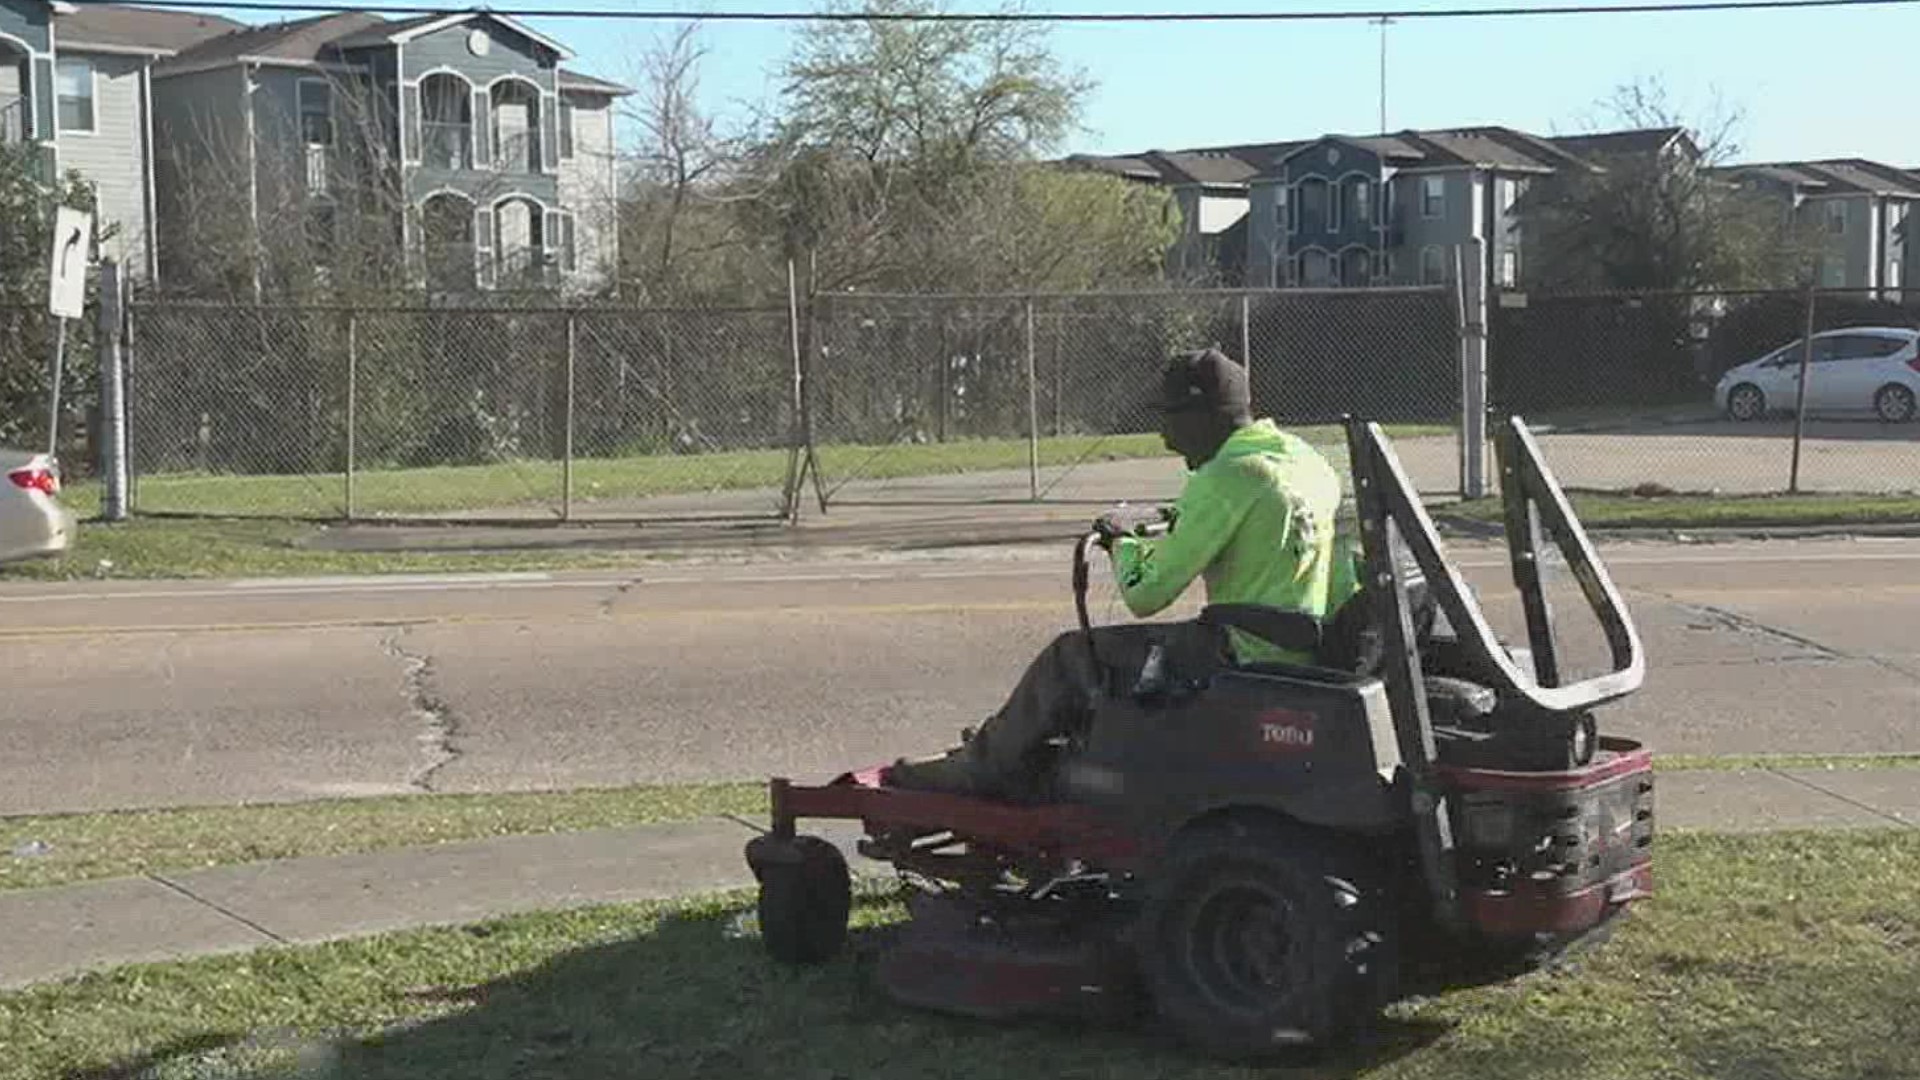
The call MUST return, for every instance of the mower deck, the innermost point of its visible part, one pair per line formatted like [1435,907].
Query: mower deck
[1541,853]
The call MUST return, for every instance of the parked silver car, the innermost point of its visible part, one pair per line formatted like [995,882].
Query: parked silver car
[32,521]
[1860,370]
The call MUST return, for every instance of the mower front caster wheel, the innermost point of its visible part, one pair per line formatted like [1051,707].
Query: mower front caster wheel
[806,896]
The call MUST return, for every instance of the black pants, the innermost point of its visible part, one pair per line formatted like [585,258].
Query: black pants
[1056,696]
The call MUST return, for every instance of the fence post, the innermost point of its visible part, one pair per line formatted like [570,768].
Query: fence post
[566,447]
[1246,335]
[353,405]
[1470,293]
[113,402]
[1800,396]
[1033,414]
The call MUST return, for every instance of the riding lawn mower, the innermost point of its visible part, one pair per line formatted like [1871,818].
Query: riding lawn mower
[1250,855]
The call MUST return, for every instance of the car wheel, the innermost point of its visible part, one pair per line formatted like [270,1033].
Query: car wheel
[1260,938]
[1746,402]
[1894,404]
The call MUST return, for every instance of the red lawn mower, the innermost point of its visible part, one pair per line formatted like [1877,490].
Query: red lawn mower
[1249,855]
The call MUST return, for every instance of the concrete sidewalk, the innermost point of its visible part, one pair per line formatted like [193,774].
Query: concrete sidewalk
[55,932]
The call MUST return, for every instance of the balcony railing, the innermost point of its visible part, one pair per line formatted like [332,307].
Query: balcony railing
[446,144]
[319,169]
[518,152]
[13,119]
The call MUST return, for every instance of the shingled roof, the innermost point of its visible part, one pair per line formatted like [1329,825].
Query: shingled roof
[134,29]
[300,41]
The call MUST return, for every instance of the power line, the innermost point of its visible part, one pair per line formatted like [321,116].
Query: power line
[1668,7]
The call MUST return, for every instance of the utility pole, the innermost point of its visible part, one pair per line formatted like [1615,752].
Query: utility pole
[1383,22]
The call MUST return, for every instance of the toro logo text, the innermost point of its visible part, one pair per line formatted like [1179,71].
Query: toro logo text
[1284,731]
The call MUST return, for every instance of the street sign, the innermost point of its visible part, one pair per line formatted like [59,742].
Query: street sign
[72,246]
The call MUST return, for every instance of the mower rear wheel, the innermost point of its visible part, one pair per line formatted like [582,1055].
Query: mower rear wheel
[1259,937]
[805,902]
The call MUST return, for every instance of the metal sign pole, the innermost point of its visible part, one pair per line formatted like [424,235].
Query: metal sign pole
[53,408]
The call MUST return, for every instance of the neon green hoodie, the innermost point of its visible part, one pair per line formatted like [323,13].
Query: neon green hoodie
[1257,522]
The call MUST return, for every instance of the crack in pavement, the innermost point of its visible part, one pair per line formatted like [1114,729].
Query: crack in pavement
[438,727]
[1831,794]
[1745,624]
[206,903]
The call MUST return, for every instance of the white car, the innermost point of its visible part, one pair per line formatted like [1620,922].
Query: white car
[1859,370]
[32,521]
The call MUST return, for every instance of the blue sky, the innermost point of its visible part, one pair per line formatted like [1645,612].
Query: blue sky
[1812,83]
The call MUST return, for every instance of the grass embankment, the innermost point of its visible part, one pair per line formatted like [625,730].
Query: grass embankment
[1778,956]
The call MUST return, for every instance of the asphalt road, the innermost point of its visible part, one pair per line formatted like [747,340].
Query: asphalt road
[150,694]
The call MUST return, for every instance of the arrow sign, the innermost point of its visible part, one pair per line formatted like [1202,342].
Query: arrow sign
[72,247]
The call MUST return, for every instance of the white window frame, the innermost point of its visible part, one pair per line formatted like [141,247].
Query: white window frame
[1438,184]
[300,110]
[1509,268]
[93,96]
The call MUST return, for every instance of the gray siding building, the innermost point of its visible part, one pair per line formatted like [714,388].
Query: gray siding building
[464,129]
[77,82]
[1354,211]
[1859,211]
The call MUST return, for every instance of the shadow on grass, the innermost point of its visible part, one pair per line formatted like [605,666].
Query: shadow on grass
[694,998]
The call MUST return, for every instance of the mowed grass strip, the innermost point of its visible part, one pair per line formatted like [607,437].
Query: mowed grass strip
[37,851]
[1770,957]
[437,490]
[1601,510]
[59,849]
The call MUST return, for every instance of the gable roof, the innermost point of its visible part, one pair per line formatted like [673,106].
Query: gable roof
[404,30]
[1197,167]
[580,81]
[1629,141]
[1834,176]
[138,30]
[1237,164]
[300,42]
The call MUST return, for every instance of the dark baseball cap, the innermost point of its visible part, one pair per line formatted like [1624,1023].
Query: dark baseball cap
[1205,380]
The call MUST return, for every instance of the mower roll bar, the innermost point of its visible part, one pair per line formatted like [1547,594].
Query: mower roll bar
[1532,498]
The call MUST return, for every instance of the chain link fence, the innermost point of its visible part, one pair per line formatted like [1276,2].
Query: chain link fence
[1633,392]
[614,413]
[481,413]
[971,400]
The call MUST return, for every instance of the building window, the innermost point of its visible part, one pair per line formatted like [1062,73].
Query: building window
[1837,218]
[1310,206]
[566,129]
[1433,266]
[1893,274]
[316,112]
[1314,269]
[563,241]
[74,78]
[1356,267]
[1360,202]
[1433,196]
[1509,268]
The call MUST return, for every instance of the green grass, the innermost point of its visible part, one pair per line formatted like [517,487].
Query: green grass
[81,847]
[402,492]
[174,548]
[90,846]
[1674,511]
[1760,958]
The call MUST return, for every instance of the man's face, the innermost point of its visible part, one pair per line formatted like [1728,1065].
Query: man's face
[1189,433]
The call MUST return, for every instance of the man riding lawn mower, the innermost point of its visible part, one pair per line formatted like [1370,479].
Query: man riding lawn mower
[1241,817]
